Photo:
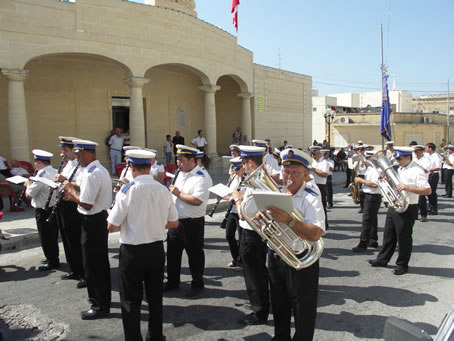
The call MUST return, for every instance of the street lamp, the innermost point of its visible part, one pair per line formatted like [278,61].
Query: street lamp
[329,118]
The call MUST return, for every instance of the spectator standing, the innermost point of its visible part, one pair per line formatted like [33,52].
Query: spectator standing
[116,145]
[245,141]
[199,141]
[236,136]
[168,150]
[177,139]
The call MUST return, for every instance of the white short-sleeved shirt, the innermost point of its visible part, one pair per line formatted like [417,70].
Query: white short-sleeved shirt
[116,142]
[272,166]
[445,165]
[423,162]
[156,169]
[95,188]
[69,169]
[331,166]
[234,185]
[196,182]
[371,175]
[167,146]
[435,161]
[19,171]
[308,202]
[252,208]
[142,210]
[199,141]
[321,165]
[39,192]
[413,175]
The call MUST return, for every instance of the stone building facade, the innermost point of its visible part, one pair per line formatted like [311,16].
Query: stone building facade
[79,69]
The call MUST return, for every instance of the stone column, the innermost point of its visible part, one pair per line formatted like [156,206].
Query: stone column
[210,117]
[17,114]
[136,114]
[246,125]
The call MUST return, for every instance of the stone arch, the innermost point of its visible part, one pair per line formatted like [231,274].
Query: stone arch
[174,101]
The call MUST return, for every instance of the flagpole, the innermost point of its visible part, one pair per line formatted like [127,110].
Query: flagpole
[382,73]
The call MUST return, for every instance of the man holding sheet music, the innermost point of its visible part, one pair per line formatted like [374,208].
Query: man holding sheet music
[295,291]
[38,192]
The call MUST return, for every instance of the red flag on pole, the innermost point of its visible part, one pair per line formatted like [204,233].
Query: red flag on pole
[235,4]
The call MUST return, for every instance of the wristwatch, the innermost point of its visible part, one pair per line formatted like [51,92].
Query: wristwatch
[236,199]
[292,223]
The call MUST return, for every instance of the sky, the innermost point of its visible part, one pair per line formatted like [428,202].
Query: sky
[337,42]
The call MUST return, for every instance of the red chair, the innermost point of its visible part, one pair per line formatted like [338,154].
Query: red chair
[119,168]
[27,166]
[169,169]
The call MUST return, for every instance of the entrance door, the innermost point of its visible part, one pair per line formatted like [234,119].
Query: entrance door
[120,113]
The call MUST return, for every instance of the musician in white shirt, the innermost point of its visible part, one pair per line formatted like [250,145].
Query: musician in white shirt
[448,167]
[422,161]
[434,177]
[399,226]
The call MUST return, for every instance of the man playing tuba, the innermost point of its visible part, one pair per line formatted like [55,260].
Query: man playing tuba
[296,290]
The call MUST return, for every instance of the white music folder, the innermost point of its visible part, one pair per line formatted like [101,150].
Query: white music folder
[45,181]
[220,190]
[263,199]
[17,180]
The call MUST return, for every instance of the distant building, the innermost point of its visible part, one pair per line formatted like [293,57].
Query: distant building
[433,103]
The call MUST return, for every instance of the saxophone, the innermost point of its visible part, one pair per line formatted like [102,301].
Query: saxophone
[353,187]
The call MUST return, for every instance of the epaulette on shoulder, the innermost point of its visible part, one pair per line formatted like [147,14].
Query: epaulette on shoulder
[42,174]
[159,164]
[200,173]
[91,169]
[125,187]
[308,190]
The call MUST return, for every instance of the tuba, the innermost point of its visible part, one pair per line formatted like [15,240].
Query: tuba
[399,201]
[293,250]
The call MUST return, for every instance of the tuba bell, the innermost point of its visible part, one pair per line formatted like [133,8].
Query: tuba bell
[293,250]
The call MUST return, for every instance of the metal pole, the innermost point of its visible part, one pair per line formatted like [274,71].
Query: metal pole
[382,73]
[448,142]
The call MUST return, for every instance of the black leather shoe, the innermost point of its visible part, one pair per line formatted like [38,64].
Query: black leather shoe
[373,245]
[400,270]
[329,206]
[360,211]
[433,213]
[94,314]
[44,261]
[194,292]
[71,275]
[359,248]
[169,287]
[81,284]
[423,219]
[252,319]
[49,267]
[377,264]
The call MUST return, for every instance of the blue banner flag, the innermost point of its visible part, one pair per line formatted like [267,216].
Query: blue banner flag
[385,125]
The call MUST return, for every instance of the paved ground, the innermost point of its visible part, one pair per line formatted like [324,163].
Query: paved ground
[354,299]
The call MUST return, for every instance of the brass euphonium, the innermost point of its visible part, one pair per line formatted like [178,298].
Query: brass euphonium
[388,182]
[293,250]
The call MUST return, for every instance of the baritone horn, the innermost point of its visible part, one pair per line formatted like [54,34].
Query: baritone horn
[293,250]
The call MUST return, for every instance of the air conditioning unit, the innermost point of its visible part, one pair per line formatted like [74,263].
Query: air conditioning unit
[427,120]
[344,120]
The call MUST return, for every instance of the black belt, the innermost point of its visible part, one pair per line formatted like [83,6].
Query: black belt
[118,150]
[372,193]
[189,219]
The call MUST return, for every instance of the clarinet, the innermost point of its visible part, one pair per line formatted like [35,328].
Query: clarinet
[60,197]
[175,177]
[51,192]
[113,202]
[22,195]
[229,209]
[219,198]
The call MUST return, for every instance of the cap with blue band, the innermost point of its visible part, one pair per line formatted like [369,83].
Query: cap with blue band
[41,155]
[290,156]
[183,150]
[84,145]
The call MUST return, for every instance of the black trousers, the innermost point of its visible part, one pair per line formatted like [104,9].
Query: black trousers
[348,175]
[422,205]
[370,220]
[322,189]
[433,198]
[68,221]
[95,257]
[398,229]
[48,236]
[141,266]
[448,181]
[329,190]
[188,236]
[294,292]
[231,227]
[253,255]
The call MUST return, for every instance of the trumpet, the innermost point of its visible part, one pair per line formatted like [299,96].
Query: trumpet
[293,250]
